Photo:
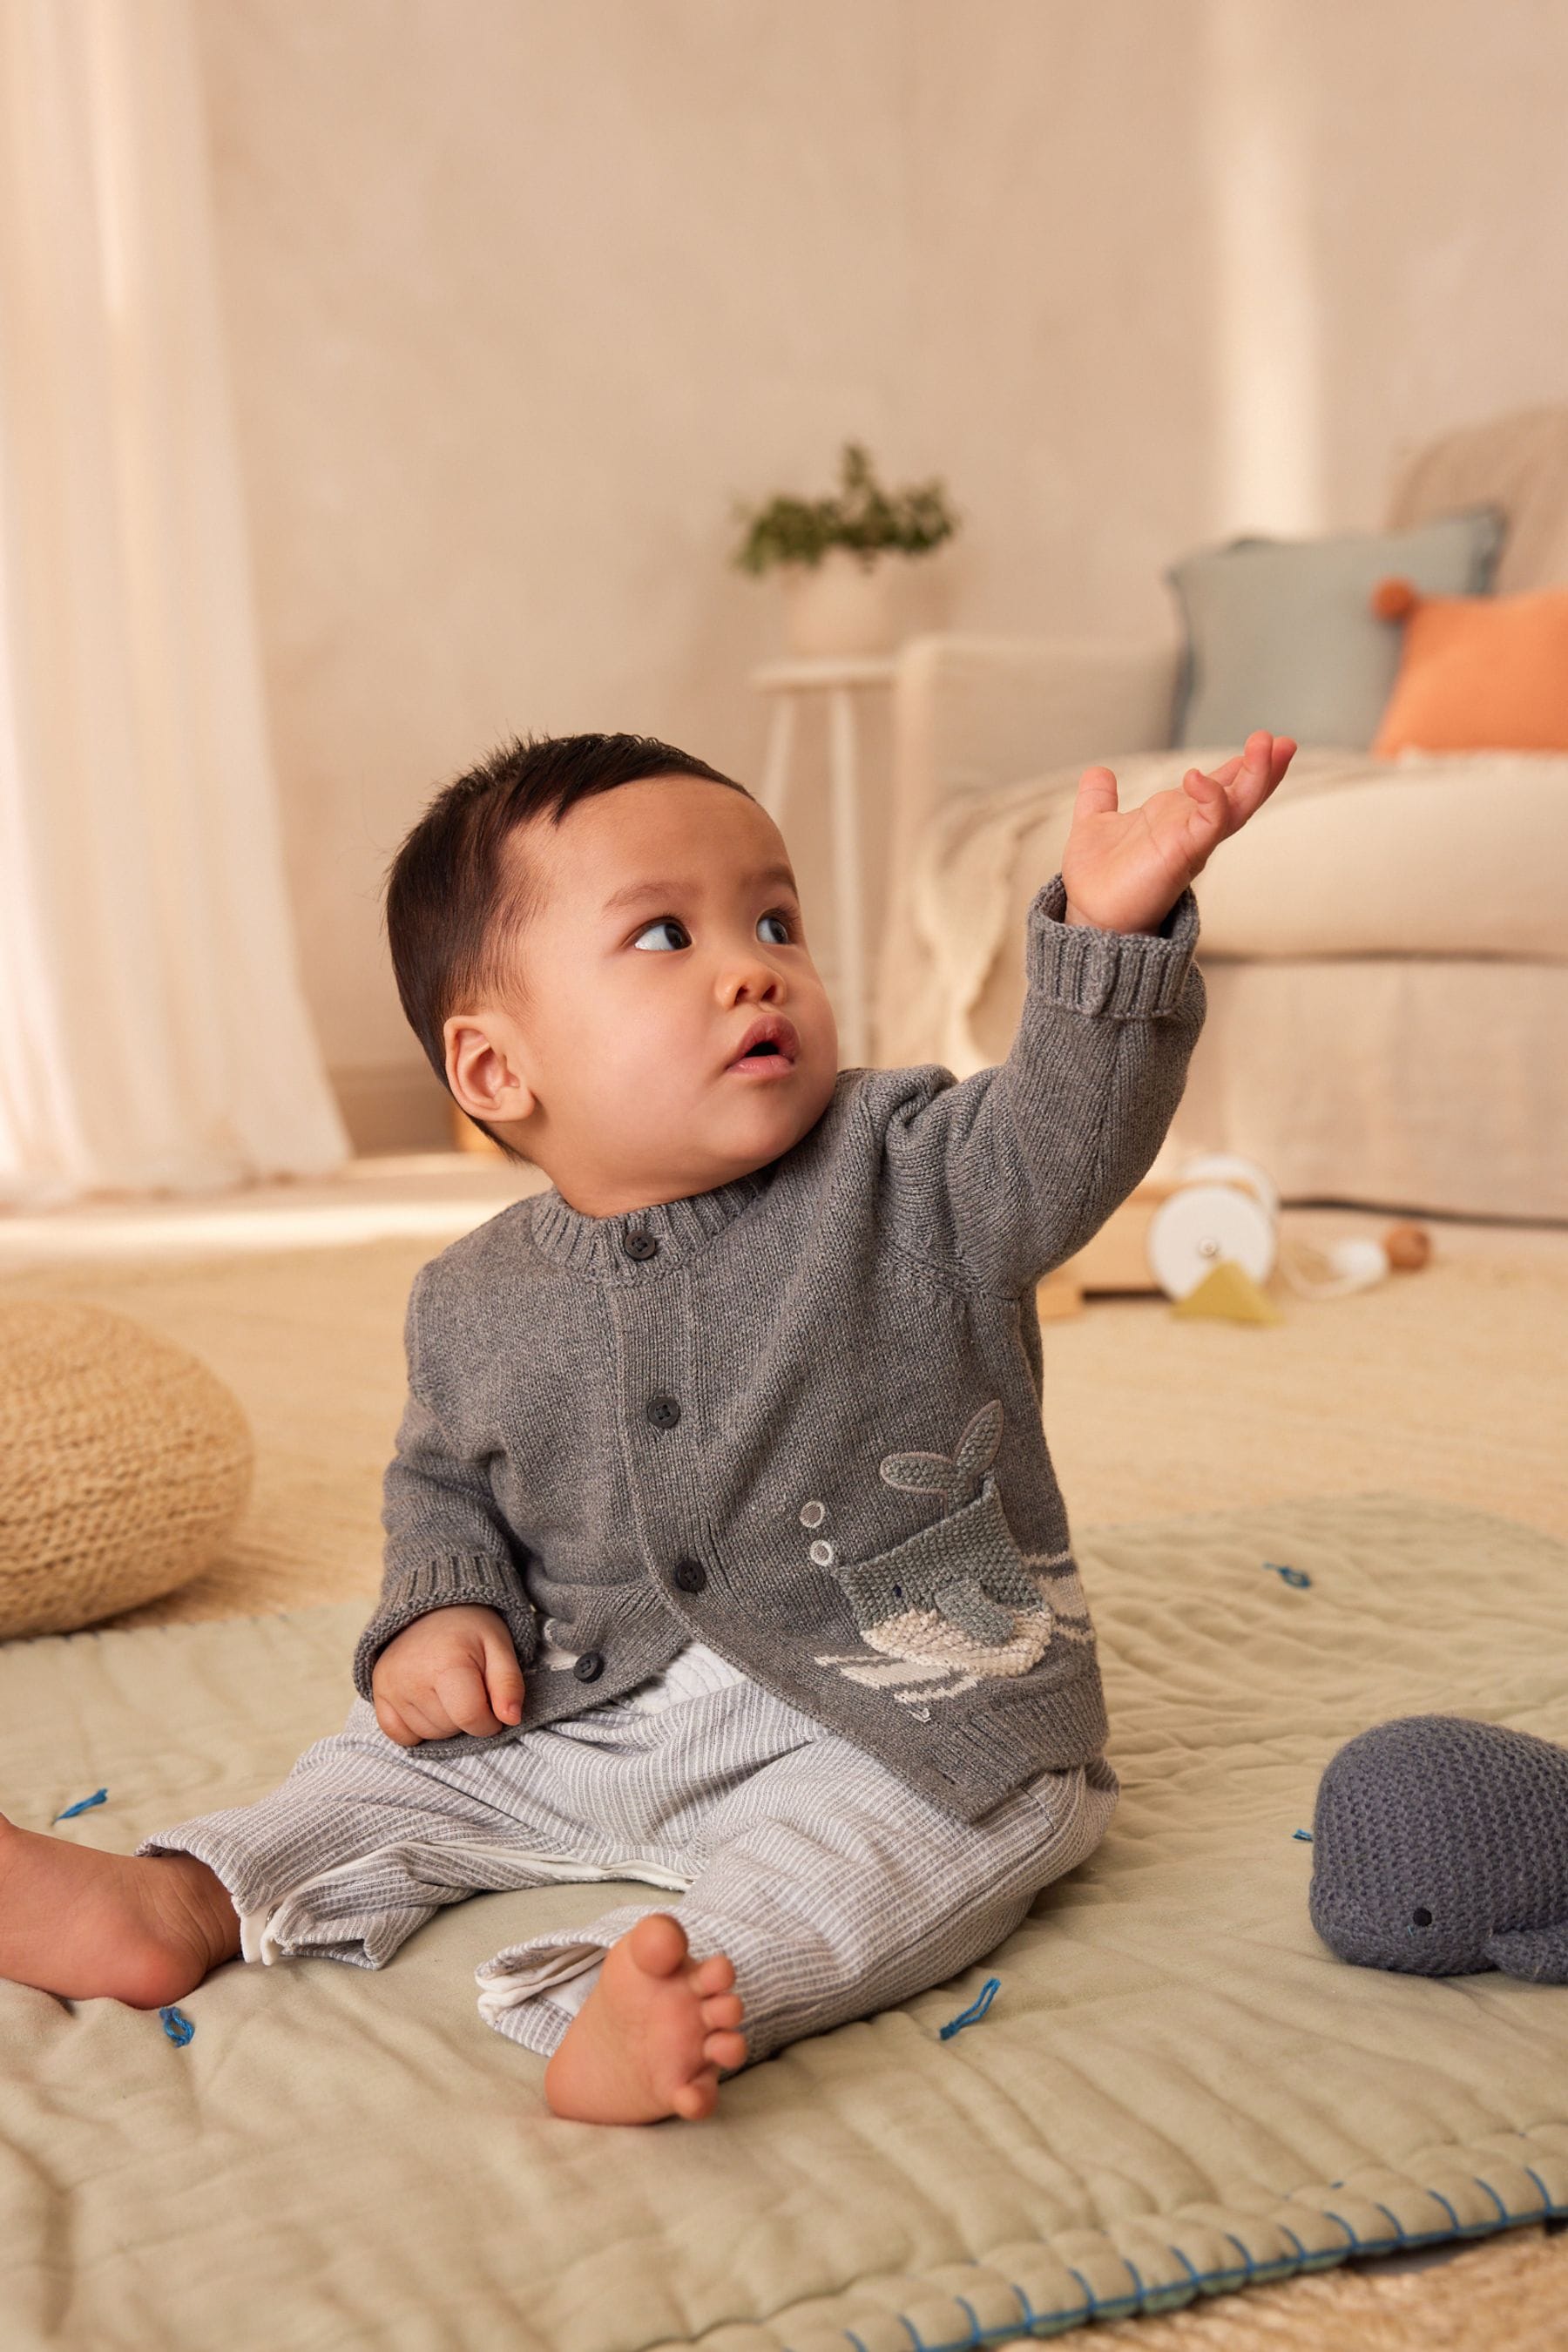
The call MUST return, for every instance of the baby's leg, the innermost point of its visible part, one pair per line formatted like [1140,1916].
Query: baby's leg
[366,1839]
[826,1889]
[86,1923]
[347,1856]
[836,1890]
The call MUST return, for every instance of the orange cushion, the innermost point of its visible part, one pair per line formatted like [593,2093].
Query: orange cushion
[1477,673]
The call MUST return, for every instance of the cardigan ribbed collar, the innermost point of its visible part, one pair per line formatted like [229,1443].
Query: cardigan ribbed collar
[616,1246]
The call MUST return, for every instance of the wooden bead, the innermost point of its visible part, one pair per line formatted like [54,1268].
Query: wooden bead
[1408,1246]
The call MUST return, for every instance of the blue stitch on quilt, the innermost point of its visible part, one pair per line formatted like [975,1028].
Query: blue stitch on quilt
[178,2028]
[97,1798]
[973,2013]
[1093,2305]
[1034,2319]
[1292,1575]
[1117,2304]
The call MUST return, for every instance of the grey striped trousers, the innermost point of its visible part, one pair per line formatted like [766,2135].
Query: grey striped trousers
[834,1888]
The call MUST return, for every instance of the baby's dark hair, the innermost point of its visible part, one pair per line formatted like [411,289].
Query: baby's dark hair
[445,924]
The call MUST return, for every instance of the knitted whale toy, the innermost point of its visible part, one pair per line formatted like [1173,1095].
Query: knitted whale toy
[1440,1847]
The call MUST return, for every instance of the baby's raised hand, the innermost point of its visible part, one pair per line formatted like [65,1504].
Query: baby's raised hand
[452,1670]
[1124,869]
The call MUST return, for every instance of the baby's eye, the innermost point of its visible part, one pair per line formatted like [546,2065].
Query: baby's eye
[665,934]
[774,929]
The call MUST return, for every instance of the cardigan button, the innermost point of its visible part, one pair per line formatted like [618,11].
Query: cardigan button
[691,1575]
[640,1243]
[589,1666]
[663,1412]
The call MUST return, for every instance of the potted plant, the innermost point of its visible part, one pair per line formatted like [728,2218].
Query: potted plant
[829,553]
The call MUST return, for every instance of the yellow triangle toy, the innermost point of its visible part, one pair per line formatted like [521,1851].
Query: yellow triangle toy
[1228,1291]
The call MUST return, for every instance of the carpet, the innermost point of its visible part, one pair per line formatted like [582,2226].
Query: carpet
[1177,2094]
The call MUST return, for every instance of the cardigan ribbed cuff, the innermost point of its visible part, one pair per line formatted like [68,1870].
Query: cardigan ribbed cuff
[1125,975]
[476,1579]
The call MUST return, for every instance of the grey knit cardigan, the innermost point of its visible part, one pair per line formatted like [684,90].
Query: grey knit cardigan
[798,1417]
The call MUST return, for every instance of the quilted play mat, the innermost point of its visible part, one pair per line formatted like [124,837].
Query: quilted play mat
[1177,2090]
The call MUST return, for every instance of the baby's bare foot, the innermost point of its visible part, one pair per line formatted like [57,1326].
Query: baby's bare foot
[650,2038]
[141,1929]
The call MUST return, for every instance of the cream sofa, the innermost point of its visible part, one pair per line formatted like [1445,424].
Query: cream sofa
[1386,946]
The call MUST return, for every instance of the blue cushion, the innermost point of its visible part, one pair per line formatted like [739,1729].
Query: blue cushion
[1279,632]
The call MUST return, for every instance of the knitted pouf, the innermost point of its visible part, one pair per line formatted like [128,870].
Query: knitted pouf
[124,1463]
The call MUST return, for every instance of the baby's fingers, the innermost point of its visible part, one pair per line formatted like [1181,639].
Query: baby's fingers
[458,1692]
[393,1724]
[1211,802]
[503,1675]
[1096,794]
[1263,762]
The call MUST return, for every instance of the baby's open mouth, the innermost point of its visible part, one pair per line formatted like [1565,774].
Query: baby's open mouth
[769,1048]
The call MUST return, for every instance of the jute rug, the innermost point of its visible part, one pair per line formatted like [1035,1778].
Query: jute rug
[1450,1385]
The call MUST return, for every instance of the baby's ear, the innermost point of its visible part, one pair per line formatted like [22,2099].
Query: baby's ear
[484,1068]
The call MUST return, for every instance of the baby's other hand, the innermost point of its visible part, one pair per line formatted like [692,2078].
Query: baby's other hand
[1123,869]
[452,1670]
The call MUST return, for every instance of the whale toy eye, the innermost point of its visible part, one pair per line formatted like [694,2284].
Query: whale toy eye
[898,1591]
[1423,1917]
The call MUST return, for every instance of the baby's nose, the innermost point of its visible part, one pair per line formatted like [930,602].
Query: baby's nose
[753,980]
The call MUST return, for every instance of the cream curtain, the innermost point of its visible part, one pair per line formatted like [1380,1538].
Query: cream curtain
[153,1035]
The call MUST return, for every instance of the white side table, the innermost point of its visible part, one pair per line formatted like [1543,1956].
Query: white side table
[837,677]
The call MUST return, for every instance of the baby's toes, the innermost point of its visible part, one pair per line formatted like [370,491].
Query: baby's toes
[715,1974]
[698,2097]
[722,2008]
[726,2049]
[657,1943]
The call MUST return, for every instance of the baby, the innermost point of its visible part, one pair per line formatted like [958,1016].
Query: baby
[724,1553]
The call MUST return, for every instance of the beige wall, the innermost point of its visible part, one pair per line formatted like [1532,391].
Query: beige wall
[522,294]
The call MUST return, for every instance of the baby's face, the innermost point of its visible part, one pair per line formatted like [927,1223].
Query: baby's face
[667,1032]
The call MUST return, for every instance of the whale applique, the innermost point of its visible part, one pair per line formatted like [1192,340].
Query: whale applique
[957,1601]
[1440,1848]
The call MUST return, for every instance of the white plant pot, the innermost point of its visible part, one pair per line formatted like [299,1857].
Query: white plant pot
[841,605]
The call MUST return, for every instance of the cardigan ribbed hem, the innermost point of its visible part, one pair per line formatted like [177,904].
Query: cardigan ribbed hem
[679,1229]
[1126,975]
[475,1580]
